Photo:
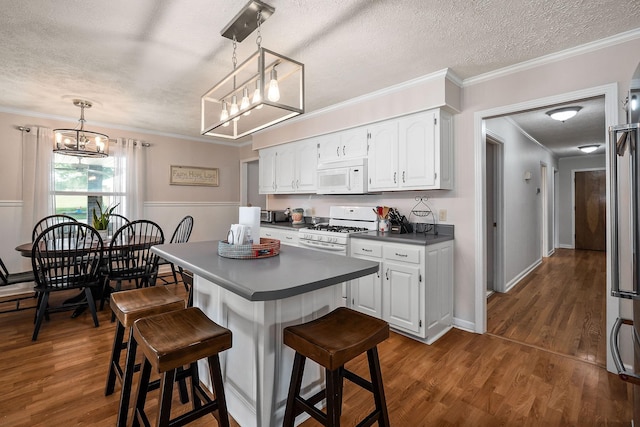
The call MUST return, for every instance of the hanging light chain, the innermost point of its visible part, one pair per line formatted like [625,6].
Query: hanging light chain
[234,58]
[259,37]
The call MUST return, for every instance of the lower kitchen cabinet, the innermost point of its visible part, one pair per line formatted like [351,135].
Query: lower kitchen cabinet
[286,237]
[413,290]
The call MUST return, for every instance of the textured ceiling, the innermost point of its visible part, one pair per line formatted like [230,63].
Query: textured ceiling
[147,62]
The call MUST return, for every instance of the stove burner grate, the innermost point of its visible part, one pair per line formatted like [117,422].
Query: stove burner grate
[338,228]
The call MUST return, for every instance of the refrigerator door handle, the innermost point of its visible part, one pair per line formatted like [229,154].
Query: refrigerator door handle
[615,351]
[621,137]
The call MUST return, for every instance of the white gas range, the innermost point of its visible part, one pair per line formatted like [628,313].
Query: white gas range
[343,222]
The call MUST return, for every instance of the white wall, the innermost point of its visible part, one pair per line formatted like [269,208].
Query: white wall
[522,198]
[565,202]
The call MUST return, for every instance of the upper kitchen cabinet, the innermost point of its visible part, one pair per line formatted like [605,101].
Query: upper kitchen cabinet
[412,153]
[289,168]
[348,144]
[267,171]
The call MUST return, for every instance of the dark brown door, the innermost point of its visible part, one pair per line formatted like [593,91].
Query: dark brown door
[590,210]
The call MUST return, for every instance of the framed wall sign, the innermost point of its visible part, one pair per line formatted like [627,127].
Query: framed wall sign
[193,175]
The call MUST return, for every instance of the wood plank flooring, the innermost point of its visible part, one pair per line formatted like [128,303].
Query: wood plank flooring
[560,306]
[462,379]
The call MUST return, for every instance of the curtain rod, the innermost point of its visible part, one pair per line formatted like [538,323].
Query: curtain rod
[115,141]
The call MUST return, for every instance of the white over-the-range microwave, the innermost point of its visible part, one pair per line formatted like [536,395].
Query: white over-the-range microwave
[343,177]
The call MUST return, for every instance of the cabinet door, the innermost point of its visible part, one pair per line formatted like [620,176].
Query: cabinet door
[366,293]
[267,171]
[383,156]
[418,151]
[329,148]
[402,295]
[307,166]
[289,237]
[438,289]
[285,169]
[353,143]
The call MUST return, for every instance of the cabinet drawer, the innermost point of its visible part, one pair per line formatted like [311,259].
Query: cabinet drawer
[404,254]
[363,247]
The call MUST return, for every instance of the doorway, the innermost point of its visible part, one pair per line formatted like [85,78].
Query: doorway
[589,201]
[610,93]
[494,247]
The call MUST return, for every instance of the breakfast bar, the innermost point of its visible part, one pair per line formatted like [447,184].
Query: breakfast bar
[256,299]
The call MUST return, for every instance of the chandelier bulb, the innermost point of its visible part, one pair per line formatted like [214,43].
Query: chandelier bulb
[224,114]
[234,108]
[274,91]
[257,96]
[245,101]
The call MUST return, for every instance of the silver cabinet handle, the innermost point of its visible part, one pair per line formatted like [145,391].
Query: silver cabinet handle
[403,176]
[615,352]
[343,153]
[338,151]
[394,177]
[386,273]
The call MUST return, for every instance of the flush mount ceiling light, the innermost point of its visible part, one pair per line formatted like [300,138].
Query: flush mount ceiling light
[80,142]
[269,86]
[589,148]
[562,114]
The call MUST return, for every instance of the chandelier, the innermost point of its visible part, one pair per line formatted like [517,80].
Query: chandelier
[80,142]
[265,89]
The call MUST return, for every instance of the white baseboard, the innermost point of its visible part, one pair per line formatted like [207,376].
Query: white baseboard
[522,275]
[465,325]
[562,246]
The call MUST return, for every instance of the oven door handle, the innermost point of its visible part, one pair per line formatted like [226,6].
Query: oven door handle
[615,351]
[323,247]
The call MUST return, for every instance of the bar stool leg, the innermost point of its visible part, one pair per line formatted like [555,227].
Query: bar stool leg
[378,388]
[294,390]
[141,395]
[115,358]
[218,387]
[334,397]
[195,380]
[166,394]
[127,380]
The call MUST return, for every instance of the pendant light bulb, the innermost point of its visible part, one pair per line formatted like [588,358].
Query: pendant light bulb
[257,97]
[224,114]
[274,90]
[245,101]
[234,107]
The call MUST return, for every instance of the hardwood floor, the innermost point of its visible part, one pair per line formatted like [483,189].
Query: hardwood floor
[462,379]
[560,306]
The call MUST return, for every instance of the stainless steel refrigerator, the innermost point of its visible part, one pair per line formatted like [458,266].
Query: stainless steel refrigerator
[624,161]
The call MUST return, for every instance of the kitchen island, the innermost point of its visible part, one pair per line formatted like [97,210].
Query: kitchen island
[256,299]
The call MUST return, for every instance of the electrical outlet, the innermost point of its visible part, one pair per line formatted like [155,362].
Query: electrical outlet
[442,215]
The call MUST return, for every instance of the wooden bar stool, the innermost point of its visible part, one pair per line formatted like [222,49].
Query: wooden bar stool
[170,341]
[129,306]
[331,341]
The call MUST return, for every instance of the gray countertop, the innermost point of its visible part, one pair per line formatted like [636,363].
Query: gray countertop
[445,233]
[293,272]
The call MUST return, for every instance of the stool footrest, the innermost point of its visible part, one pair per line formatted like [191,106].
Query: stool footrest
[308,406]
[356,379]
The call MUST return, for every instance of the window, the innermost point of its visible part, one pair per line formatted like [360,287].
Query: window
[80,183]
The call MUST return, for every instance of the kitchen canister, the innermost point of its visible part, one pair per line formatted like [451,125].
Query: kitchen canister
[297,215]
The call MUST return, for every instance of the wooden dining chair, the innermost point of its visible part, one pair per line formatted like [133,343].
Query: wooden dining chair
[129,256]
[14,287]
[116,222]
[48,221]
[180,235]
[66,256]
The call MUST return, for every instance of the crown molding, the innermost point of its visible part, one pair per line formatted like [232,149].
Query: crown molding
[529,137]
[554,57]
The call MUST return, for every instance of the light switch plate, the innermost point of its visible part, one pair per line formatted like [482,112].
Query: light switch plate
[442,215]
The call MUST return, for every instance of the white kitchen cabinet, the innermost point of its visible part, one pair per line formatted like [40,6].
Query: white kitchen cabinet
[267,171]
[412,153]
[343,145]
[413,290]
[286,237]
[289,168]
[366,292]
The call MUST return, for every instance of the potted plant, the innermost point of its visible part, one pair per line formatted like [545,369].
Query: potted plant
[101,221]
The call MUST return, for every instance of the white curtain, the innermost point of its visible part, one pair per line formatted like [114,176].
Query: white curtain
[37,176]
[130,166]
